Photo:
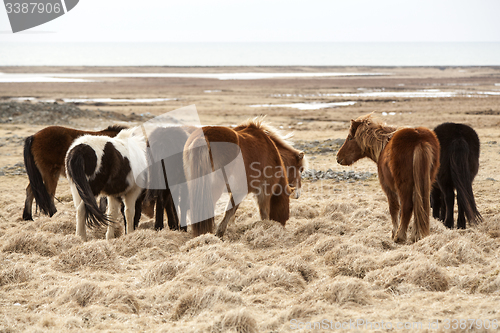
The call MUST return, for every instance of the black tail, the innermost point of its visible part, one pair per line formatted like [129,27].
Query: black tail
[462,179]
[42,197]
[78,167]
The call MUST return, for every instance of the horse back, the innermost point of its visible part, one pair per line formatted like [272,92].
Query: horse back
[51,144]
[223,143]
[261,153]
[398,154]
[458,139]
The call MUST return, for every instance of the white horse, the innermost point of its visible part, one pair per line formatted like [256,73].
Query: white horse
[103,165]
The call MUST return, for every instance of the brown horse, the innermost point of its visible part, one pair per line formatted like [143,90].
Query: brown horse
[44,154]
[251,158]
[408,162]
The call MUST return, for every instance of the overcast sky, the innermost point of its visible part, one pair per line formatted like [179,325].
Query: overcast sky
[269,21]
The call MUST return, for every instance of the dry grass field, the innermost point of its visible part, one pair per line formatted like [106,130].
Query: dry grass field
[334,263]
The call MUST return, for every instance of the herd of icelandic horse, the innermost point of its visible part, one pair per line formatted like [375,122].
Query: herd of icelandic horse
[418,169]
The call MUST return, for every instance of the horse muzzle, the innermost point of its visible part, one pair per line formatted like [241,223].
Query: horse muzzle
[296,193]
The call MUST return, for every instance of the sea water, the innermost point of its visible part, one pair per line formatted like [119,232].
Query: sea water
[250,54]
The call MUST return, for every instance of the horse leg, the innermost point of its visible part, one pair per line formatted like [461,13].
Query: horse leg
[173,219]
[130,200]
[80,212]
[80,218]
[112,211]
[28,204]
[160,206]
[449,200]
[461,222]
[394,207]
[436,202]
[264,201]
[51,185]
[184,206]
[393,200]
[138,209]
[103,204]
[228,216]
[406,211]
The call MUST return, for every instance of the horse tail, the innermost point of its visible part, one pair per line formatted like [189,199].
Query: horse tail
[79,168]
[198,169]
[462,179]
[43,198]
[423,157]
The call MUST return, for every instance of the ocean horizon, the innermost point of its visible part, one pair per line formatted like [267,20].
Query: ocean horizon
[251,54]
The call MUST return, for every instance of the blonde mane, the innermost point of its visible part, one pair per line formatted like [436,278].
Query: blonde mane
[372,135]
[280,140]
[272,132]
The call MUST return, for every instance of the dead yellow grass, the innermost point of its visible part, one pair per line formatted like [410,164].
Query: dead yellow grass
[96,255]
[334,260]
[240,321]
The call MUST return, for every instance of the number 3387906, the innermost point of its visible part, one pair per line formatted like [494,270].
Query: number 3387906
[32,7]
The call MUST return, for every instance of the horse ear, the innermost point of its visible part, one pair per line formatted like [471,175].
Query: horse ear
[300,156]
[354,126]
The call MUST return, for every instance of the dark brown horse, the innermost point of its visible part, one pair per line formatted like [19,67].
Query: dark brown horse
[459,165]
[407,160]
[44,154]
[250,158]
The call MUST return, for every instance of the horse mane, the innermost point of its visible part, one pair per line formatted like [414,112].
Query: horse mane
[115,128]
[130,133]
[271,131]
[373,134]
[134,141]
[274,134]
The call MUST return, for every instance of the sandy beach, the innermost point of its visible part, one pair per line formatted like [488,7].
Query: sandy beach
[333,262]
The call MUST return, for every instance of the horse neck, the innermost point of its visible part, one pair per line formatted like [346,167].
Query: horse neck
[289,157]
[376,140]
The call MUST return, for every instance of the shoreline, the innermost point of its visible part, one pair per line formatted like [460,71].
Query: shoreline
[301,67]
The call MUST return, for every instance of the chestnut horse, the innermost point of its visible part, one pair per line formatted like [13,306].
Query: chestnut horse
[459,165]
[251,158]
[408,162]
[100,164]
[44,154]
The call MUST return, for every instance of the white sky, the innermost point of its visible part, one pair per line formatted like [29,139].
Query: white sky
[268,21]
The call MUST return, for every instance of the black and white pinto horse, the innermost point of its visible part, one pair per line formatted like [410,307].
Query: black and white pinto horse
[102,165]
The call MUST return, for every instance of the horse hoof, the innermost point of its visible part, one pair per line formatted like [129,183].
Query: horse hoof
[399,240]
[27,217]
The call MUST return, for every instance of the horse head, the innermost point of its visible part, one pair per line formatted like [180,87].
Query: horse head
[350,151]
[294,173]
